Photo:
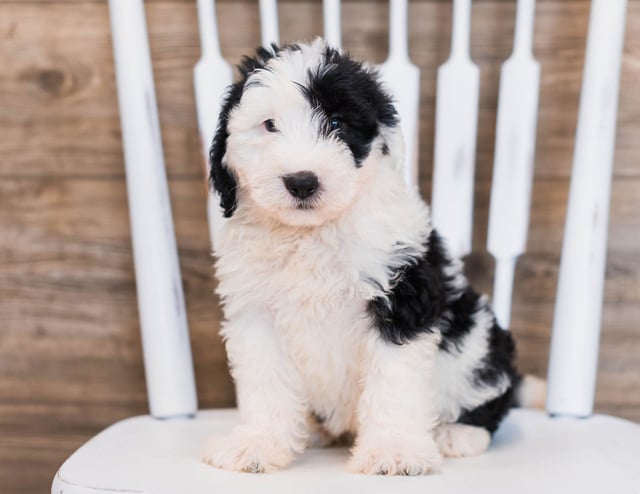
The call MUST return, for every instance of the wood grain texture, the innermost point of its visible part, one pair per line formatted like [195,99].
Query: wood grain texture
[70,357]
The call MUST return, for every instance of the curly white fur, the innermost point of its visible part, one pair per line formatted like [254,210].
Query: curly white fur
[295,284]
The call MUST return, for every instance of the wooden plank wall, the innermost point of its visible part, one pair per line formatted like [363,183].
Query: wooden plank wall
[70,359]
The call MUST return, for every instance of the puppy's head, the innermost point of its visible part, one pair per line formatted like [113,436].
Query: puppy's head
[298,132]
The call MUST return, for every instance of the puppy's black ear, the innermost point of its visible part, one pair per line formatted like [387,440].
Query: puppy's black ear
[221,178]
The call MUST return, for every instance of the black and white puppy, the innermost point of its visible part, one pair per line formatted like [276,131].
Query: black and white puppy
[343,311]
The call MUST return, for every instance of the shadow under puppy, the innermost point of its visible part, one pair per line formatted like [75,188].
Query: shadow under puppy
[343,311]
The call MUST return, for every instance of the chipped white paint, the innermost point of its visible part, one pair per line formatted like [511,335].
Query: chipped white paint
[163,321]
[576,325]
[455,139]
[514,158]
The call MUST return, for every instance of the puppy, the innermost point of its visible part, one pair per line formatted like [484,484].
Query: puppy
[343,311]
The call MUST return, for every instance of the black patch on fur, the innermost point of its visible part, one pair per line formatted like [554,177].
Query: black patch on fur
[423,297]
[416,301]
[497,363]
[459,318]
[220,176]
[489,415]
[341,87]
[499,360]
[385,149]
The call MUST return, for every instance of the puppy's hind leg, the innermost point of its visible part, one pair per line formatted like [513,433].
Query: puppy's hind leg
[458,440]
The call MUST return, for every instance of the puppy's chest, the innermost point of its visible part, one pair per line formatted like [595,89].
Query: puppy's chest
[320,314]
[314,289]
[312,277]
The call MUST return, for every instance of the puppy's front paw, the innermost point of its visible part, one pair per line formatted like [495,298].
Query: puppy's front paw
[397,456]
[246,452]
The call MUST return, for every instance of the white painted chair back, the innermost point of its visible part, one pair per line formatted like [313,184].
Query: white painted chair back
[572,370]
[531,450]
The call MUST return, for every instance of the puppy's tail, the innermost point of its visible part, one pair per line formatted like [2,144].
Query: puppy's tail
[531,392]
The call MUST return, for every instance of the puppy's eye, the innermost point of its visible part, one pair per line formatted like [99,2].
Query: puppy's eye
[270,125]
[335,123]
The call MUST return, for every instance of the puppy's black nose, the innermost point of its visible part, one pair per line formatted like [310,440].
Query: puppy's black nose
[301,184]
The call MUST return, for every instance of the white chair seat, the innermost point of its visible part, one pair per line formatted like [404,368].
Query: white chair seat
[531,453]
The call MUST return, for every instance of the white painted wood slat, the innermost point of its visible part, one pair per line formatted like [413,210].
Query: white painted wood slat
[514,159]
[332,22]
[576,325]
[163,321]
[269,22]
[455,137]
[211,76]
[402,78]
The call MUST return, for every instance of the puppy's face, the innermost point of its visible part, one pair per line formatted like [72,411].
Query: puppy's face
[298,132]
